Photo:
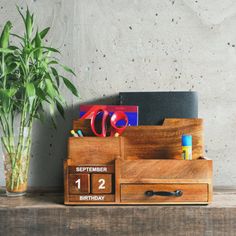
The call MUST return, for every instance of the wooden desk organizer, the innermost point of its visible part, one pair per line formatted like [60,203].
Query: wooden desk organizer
[143,166]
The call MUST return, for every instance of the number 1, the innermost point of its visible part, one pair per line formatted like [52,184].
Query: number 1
[78,183]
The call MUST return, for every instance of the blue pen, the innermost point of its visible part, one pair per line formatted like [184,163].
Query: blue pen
[80,133]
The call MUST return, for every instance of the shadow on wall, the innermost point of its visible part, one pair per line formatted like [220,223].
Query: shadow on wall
[49,146]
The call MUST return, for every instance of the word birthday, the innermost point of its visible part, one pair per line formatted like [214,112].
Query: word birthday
[91,198]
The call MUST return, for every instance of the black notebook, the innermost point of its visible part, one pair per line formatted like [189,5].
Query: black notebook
[154,107]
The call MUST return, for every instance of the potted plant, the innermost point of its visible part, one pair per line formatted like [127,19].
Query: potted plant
[29,81]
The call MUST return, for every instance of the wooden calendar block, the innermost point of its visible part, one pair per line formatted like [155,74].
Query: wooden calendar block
[79,183]
[101,183]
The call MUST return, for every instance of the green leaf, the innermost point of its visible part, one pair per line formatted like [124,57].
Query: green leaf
[29,23]
[18,9]
[41,94]
[50,89]
[5,100]
[54,125]
[13,48]
[17,36]
[52,113]
[12,67]
[6,50]
[38,41]
[4,39]
[11,92]
[56,75]
[68,69]
[70,86]
[60,109]
[54,62]
[41,113]
[51,49]
[44,32]
[30,90]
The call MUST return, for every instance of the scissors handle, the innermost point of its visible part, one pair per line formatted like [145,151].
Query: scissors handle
[118,116]
[104,120]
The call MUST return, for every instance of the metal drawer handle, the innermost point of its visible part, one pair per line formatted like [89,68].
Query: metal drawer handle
[177,193]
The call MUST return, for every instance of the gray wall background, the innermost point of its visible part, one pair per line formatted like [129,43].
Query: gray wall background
[139,45]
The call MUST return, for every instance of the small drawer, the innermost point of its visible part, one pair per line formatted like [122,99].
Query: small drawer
[164,193]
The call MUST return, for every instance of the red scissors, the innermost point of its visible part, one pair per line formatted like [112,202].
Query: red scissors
[99,113]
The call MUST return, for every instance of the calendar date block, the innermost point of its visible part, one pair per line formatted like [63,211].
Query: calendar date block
[101,183]
[79,183]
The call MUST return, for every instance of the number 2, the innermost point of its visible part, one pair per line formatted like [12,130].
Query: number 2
[78,183]
[102,184]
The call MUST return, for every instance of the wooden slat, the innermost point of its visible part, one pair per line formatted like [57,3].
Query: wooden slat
[93,150]
[45,214]
[66,180]
[178,170]
[181,121]
[117,179]
[83,125]
[163,142]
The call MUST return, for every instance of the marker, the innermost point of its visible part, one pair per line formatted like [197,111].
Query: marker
[74,134]
[79,132]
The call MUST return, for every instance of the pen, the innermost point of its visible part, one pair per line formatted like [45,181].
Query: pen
[73,133]
[79,132]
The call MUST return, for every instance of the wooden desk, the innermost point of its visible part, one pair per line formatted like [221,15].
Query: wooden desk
[44,214]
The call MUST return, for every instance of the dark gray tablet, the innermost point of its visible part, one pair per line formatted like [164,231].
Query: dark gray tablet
[154,107]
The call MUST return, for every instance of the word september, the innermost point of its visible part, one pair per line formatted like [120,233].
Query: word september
[91,169]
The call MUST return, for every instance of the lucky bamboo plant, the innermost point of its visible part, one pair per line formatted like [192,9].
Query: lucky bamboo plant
[29,80]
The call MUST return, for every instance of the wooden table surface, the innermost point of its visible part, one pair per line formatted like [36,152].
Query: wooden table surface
[45,214]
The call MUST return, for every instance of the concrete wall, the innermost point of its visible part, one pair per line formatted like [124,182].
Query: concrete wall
[140,45]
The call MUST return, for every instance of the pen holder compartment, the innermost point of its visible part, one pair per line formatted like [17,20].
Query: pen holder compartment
[164,141]
[91,150]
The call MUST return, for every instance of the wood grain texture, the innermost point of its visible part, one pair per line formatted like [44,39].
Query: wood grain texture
[83,125]
[144,171]
[163,142]
[191,193]
[117,179]
[66,180]
[93,150]
[45,214]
